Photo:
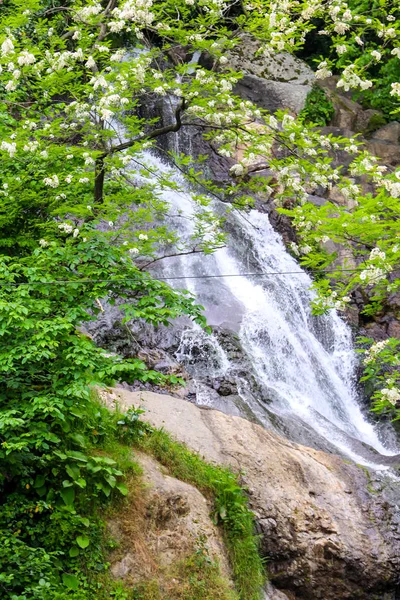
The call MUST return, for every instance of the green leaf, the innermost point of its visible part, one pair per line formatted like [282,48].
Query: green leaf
[68,495]
[70,581]
[41,491]
[73,552]
[83,541]
[121,487]
[39,481]
[73,471]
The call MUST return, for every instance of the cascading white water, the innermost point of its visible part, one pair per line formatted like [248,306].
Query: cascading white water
[304,365]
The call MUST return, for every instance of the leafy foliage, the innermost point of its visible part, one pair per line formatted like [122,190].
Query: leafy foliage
[318,109]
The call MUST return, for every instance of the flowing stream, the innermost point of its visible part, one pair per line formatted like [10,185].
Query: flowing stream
[304,366]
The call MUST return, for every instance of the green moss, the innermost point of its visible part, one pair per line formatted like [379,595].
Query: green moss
[230,506]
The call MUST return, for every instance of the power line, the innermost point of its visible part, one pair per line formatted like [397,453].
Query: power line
[171,278]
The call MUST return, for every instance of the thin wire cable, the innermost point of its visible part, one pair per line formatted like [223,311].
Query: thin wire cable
[175,277]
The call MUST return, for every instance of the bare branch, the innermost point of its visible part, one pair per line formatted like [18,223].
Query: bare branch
[193,251]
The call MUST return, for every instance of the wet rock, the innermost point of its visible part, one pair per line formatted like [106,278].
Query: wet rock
[159,360]
[325,532]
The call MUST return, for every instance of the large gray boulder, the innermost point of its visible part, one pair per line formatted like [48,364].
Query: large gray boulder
[278,82]
[329,529]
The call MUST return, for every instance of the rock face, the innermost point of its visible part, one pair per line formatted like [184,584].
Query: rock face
[328,528]
[281,81]
[162,527]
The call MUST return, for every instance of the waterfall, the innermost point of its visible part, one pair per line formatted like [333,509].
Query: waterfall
[299,376]
[304,365]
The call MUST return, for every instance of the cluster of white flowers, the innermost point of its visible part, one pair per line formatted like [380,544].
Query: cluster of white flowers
[79,110]
[118,55]
[374,350]
[341,49]
[43,243]
[332,300]
[99,81]
[349,79]
[10,147]
[26,58]
[395,91]
[137,11]
[143,237]
[84,14]
[7,47]
[133,250]
[374,274]
[377,253]
[323,71]
[392,395]
[52,181]
[66,227]
[31,146]
[237,170]
[376,55]
[387,33]
[88,159]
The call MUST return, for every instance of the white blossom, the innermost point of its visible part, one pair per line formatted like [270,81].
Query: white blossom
[376,55]
[143,237]
[90,63]
[237,170]
[9,147]
[66,227]
[26,58]
[52,181]
[133,250]
[395,89]
[392,395]
[43,243]
[7,47]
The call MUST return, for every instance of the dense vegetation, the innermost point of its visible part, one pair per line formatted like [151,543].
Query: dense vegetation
[81,218]
[381,68]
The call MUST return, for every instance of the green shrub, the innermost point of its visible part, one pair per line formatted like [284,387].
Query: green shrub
[318,109]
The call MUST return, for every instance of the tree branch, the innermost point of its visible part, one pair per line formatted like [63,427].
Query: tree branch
[193,251]
[173,127]
[100,166]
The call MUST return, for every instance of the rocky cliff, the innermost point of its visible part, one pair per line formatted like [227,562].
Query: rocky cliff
[329,529]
